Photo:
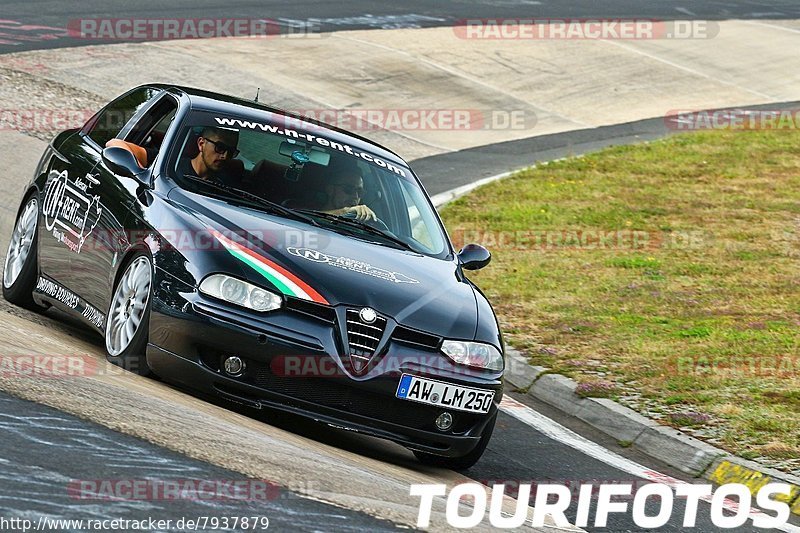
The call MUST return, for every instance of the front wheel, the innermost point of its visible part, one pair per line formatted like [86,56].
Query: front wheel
[128,319]
[465,461]
[20,268]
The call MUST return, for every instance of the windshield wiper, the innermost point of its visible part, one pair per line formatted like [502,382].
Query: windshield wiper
[254,198]
[355,223]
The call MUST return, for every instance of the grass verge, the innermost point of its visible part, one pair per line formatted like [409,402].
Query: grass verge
[665,275]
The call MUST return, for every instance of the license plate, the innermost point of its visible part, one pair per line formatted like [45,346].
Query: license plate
[443,394]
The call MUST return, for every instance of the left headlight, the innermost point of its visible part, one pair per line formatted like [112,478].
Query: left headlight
[475,354]
[240,292]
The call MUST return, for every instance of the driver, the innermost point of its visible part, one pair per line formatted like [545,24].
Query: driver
[344,191]
[215,159]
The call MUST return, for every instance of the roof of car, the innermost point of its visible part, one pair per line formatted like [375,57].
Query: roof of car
[210,101]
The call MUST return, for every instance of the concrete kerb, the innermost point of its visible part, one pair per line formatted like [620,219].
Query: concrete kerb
[519,373]
[664,443]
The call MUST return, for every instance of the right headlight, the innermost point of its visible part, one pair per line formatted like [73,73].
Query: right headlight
[240,293]
[476,354]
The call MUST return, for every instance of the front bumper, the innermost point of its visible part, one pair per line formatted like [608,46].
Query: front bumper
[293,364]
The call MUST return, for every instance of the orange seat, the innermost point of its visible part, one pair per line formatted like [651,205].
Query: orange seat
[138,152]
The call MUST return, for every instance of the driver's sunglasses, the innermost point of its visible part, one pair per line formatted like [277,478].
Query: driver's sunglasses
[351,189]
[221,148]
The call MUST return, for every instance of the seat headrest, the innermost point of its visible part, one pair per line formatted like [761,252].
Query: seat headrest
[191,150]
[138,152]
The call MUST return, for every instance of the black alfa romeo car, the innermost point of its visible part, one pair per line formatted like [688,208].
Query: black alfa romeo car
[269,259]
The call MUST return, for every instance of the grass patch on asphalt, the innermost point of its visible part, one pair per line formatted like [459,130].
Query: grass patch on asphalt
[667,272]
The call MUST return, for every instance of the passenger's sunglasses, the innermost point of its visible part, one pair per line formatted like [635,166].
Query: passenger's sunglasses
[221,148]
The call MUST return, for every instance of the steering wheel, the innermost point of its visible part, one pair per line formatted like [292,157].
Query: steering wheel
[377,223]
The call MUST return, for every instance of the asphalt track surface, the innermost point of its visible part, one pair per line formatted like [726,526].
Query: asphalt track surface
[47,454]
[32,24]
[34,476]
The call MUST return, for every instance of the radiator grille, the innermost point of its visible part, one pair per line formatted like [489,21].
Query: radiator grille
[363,339]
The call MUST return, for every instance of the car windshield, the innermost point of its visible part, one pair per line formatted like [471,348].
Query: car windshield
[329,182]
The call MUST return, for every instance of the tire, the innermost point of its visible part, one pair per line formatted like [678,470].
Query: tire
[128,317]
[20,267]
[465,461]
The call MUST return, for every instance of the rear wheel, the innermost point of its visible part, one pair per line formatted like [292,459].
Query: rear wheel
[465,461]
[128,319]
[20,268]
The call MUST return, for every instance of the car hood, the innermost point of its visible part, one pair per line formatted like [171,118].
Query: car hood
[333,268]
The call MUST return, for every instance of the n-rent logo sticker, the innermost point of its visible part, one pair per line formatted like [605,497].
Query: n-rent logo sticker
[350,264]
[70,211]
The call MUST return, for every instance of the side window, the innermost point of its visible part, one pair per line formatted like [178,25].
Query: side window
[107,124]
[150,129]
[423,226]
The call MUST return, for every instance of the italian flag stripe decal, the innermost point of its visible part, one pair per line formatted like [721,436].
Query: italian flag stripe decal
[284,281]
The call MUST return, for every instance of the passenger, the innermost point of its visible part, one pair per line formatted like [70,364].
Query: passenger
[344,190]
[215,159]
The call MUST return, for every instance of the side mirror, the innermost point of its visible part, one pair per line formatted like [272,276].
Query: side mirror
[123,163]
[474,257]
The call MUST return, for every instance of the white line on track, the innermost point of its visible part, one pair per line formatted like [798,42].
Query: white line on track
[559,433]
[771,26]
[463,75]
[687,69]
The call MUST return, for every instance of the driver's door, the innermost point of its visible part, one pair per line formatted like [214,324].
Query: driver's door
[101,203]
